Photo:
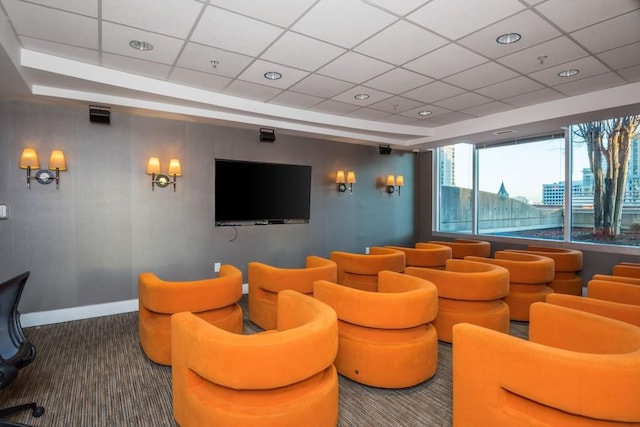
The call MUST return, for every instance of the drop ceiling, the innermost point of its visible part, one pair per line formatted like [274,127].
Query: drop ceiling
[209,60]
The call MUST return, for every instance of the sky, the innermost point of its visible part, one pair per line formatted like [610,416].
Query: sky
[523,168]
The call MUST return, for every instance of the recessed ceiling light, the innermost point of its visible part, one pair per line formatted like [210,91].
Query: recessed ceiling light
[424,113]
[568,73]
[508,38]
[138,45]
[272,75]
[361,96]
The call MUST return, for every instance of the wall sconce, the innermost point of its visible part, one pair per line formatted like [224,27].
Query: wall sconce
[351,179]
[159,179]
[57,162]
[392,183]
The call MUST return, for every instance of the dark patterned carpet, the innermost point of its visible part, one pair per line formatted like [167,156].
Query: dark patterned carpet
[93,373]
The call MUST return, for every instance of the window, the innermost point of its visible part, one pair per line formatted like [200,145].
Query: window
[521,187]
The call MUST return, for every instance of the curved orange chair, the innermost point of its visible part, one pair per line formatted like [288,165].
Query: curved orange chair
[386,337]
[576,369]
[620,279]
[214,299]
[615,299]
[529,275]
[568,264]
[466,247]
[265,281]
[279,378]
[427,255]
[627,269]
[470,292]
[360,271]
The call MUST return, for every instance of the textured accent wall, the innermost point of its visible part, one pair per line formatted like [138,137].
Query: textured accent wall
[87,242]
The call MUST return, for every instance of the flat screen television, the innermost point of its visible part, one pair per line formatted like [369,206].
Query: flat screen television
[261,193]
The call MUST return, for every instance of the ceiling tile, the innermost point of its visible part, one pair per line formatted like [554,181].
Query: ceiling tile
[333,107]
[481,76]
[571,15]
[487,109]
[251,91]
[281,52]
[355,68]
[457,18]
[42,23]
[435,111]
[321,86]
[226,30]
[198,79]
[368,114]
[590,84]
[631,74]
[433,92]
[398,119]
[535,97]
[445,61]
[619,31]
[397,7]
[462,101]
[622,57]
[345,23]
[544,55]
[83,7]
[452,117]
[530,26]
[396,105]
[509,88]
[116,38]
[278,12]
[160,16]
[586,66]
[136,66]
[198,57]
[349,96]
[401,42]
[295,100]
[398,80]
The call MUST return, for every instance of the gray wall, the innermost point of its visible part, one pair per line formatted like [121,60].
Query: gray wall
[87,242]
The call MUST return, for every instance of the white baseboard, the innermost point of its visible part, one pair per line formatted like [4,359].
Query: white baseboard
[85,312]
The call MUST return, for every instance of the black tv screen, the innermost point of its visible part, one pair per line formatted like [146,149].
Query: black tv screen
[256,192]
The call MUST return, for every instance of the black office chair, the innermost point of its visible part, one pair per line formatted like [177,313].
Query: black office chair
[16,351]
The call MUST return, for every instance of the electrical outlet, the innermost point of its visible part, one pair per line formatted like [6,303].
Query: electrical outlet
[216,267]
[366,250]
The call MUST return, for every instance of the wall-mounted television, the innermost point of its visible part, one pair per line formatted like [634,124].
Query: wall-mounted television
[249,192]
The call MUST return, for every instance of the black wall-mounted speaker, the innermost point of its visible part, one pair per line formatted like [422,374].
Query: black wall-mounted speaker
[267,135]
[100,115]
[384,149]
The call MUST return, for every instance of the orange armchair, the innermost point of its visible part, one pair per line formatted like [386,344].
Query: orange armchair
[386,337]
[468,291]
[215,300]
[617,300]
[627,269]
[278,378]
[529,275]
[427,255]
[577,369]
[466,247]
[360,271]
[567,267]
[266,281]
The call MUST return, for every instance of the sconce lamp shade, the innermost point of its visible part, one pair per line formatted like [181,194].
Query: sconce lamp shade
[174,167]
[29,159]
[340,177]
[400,180]
[57,160]
[351,177]
[153,167]
[391,182]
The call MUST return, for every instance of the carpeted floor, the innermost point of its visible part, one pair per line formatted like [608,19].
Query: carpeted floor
[93,373]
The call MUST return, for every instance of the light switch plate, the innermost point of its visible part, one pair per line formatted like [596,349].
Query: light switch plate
[4,211]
